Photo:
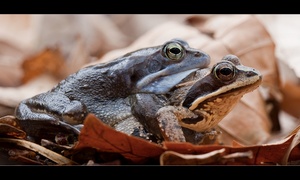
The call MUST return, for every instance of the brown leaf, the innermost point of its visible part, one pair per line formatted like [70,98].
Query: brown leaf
[219,35]
[10,131]
[14,42]
[55,157]
[47,61]
[287,53]
[265,154]
[216,157]
[291,97]
[19,152]
[96,134]
[174,158]
[246,37]
[10,120]
[295,142]
[157,36]
[10,127]
[247,124]
[24,156]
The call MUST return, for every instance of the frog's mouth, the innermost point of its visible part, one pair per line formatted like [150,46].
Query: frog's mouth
[223,95]
[160,82]
[212,109]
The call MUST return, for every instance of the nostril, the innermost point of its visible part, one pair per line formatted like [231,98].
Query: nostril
[251,73]
[197,54]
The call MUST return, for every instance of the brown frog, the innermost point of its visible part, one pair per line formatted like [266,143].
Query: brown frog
[193,108]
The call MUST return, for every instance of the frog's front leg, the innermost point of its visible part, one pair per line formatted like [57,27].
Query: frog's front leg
[53,107]
[169,126]
[168,120]
[144,108]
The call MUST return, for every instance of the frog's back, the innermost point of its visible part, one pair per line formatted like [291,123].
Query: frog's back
[89,82]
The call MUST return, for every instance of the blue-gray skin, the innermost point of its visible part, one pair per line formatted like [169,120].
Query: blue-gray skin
[106,89]
[193,108]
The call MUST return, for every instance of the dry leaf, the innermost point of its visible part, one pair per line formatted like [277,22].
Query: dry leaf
[247,124]
[10,127]
[285,33]
[133,25]
[49,61]
[27,35]
[264,154]
[97,135]
[246,37]
[14,43]
[173,158]
[215,157]
[55,157]
[10,120]
[218,36]
[295,142]
[291,93]
[156,36]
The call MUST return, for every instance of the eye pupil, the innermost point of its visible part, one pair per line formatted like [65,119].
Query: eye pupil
[175,50]
[225,71]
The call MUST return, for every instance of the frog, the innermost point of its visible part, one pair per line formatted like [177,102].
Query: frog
[105,90]
[192,109]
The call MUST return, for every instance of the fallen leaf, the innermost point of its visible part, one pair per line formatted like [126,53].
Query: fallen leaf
[24,156]
[103,138]
[55,157]
[97,135]
[246,37]
[264,154]
[219,35]
[10,120]
[215,157]
[174,158]
[14,42]
[9,127]
[10,131]
[48,61]
[295,142]
[247,126]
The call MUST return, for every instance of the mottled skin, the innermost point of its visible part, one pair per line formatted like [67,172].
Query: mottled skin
[106,89]
[194,107]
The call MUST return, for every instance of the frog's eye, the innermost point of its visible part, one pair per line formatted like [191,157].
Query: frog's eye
[174,51]
[224,71]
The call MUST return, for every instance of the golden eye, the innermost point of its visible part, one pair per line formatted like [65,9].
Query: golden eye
[174,51]
[224,71]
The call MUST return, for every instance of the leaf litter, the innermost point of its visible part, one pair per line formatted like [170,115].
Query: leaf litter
[246,137]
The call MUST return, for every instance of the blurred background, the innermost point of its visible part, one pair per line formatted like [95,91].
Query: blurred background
[38,51]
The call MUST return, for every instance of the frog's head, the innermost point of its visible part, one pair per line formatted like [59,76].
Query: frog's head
[158,69]
[214,95]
